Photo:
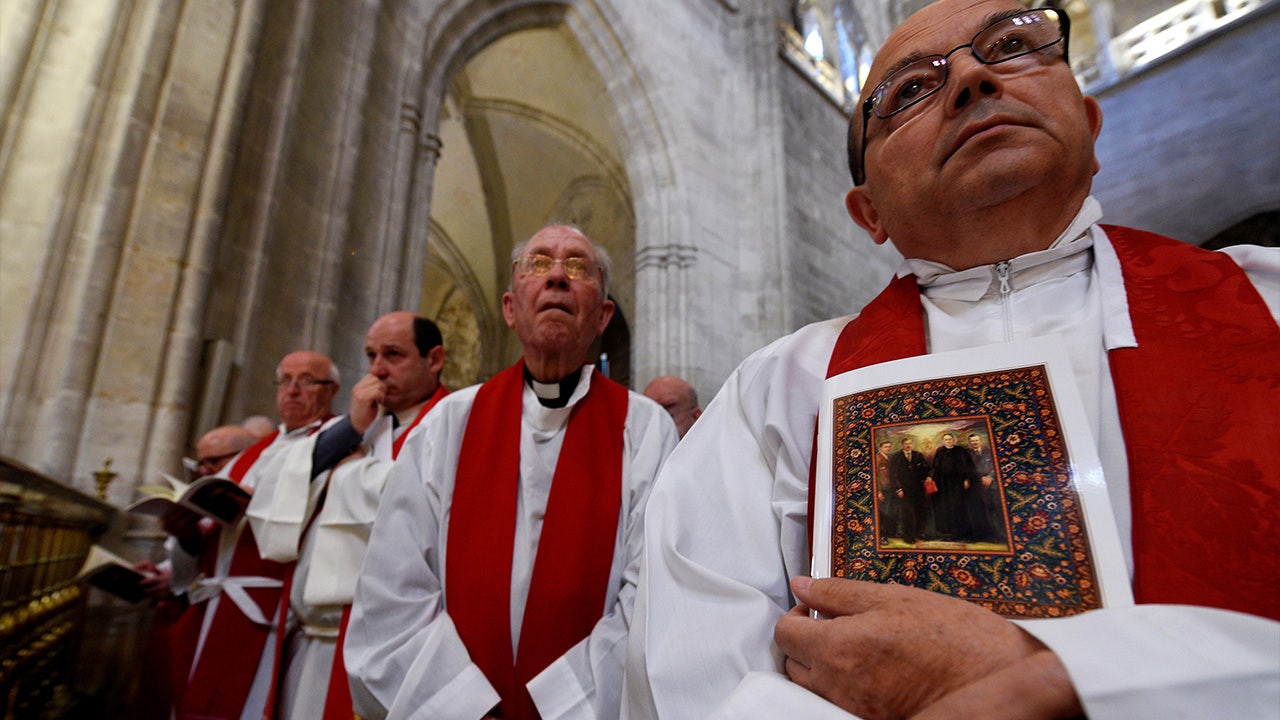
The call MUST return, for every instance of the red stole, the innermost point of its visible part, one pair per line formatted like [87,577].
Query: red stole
[575,551]
[1197,401]
[224,670]
[337,703]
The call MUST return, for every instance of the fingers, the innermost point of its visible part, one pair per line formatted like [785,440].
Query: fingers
[799,673]
[837,596]
[795,635]
[366,396]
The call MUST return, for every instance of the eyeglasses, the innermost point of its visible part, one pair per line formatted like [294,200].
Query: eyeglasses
[214,462]
[1016,36]
[539,265]
[306,382]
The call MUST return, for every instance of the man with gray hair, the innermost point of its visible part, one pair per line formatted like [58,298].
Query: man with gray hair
[504,559]
[228,637]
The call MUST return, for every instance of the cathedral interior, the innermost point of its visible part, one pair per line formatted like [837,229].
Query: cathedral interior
[189,191]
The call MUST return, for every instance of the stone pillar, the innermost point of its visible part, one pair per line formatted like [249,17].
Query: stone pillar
[663,279]
[418,232]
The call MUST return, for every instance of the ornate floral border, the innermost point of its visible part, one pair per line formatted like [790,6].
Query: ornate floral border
[1047,570]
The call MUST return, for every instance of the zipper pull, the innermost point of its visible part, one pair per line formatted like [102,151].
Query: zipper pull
[1002,274]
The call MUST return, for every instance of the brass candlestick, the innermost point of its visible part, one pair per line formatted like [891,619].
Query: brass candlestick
[104,478]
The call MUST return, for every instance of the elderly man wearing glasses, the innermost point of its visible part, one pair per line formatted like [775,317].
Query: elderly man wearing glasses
[226,642]
[973,154]
[504,559]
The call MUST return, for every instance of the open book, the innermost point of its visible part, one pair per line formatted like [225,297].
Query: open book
[217,497]
[105,570]
[1018,519]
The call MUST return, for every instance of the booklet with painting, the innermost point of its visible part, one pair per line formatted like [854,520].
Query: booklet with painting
[105,570]
[217,497]
[970,473]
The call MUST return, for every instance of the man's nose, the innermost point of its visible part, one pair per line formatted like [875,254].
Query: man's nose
[971,79]
[557,277]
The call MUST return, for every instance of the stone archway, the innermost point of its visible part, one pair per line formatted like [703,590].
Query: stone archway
[618,158]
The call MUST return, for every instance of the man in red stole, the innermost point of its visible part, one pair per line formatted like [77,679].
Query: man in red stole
[318,510]
[228,635]
[972,152]
[503,563]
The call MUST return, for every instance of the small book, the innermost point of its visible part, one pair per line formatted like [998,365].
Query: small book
[972,474]
[211,496]
[105,570]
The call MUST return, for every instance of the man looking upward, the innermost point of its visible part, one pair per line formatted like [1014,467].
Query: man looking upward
[336,477]
[504,559]
[973,154]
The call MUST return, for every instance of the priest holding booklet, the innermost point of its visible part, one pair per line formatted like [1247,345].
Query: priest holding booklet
[972,151]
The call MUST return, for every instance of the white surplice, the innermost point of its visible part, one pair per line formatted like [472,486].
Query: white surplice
[220,588]
[403,652]
[726,527]
[329,554]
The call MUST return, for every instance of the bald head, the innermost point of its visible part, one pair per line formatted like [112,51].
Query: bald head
[215,448]
[678,398]
[999,147]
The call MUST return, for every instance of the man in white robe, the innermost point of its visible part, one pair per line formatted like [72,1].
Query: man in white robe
[336,477]
[306,383]
[982,183]
[405,651]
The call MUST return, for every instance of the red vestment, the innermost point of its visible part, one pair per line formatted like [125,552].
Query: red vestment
[569,584]
[1197,400]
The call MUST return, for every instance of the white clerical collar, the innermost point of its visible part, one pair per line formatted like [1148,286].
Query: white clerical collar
[1068,253]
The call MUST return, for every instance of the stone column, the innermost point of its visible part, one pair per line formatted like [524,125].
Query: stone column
[663,280]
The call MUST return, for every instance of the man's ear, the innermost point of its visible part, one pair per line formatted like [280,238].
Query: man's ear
[435,359]
[862,209]
[509,308]
[606,313]
[1093,111]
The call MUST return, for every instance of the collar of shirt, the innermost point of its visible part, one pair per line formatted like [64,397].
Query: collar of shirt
[1067,254]
[546,422]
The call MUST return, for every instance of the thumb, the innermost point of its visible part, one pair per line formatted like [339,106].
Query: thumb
[837,596]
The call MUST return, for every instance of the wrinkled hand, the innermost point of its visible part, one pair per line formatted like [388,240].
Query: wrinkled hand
[1040,683]
[889,651]
[156,584]
[366,396]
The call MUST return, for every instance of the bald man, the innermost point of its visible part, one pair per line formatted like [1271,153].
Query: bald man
[230,631]
[678,398]
[973,153]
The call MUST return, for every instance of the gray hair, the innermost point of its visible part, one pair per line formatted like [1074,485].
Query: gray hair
[333,373]
[602,257]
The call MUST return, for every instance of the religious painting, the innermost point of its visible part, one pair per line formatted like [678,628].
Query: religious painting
[978,483]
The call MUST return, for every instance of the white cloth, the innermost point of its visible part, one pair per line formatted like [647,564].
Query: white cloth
[328,555]
[726,526]
[268,465]
[403,654]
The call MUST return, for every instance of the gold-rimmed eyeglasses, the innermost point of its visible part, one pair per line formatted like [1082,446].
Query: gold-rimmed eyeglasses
[539,265]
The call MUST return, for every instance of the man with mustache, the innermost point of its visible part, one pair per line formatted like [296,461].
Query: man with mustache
[973,154]
[503,563]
